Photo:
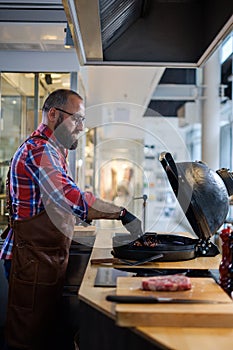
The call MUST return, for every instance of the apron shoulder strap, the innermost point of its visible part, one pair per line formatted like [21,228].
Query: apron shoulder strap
[8,194]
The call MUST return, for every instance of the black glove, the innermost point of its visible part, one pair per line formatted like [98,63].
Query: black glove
[131,223]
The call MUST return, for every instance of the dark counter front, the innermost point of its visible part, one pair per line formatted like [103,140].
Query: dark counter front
[78,260]
[100,332]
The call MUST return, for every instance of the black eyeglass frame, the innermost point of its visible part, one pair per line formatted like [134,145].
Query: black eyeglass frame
[76,117]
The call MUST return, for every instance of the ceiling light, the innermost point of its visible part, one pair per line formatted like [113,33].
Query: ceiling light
[56,75]
[49,37]
[56,81]
[29,75]
[80,162]
[66,84]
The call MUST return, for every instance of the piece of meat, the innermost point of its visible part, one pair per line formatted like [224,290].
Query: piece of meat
[148,241]
[167,283]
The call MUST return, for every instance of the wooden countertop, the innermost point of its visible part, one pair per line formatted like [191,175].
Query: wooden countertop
[176,338]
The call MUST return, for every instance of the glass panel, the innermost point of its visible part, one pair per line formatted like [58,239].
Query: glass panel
[10,131]
[226,146]
[118,178]
[193,142]
[10,124]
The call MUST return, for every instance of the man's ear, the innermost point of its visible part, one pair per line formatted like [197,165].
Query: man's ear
[52,115]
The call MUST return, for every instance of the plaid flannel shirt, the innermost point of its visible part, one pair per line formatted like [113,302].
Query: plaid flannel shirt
[39,176]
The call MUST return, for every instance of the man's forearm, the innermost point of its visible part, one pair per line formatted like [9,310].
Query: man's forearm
[103,210]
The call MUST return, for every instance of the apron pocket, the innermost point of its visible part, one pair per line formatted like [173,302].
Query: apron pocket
[22,282]
[22,294]
[51,265]
[41,265]
[27,270]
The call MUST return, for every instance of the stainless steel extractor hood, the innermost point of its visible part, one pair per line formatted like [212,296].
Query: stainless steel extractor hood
[180,33]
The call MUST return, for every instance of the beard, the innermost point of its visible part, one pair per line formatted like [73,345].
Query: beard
[67,138]
[74,145]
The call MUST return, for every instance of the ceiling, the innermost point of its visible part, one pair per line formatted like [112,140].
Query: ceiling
[32,26]
[32,35]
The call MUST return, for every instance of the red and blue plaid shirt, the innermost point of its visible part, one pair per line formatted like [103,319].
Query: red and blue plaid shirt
[39,176]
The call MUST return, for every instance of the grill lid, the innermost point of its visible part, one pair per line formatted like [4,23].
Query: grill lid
[200,192]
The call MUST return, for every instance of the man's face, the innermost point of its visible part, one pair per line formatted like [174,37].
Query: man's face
[69,126]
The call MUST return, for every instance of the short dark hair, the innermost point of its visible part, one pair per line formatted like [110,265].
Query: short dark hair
[58,98]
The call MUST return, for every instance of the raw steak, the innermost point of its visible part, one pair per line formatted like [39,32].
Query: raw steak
[167,283]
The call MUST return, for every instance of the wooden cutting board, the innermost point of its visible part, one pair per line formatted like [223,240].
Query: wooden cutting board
[175,315]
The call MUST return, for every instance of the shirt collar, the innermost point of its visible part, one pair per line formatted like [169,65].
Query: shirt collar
[44,130]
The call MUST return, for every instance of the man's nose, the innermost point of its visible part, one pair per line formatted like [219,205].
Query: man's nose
[80,126]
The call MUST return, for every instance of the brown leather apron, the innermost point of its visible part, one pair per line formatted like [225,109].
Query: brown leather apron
[40,257]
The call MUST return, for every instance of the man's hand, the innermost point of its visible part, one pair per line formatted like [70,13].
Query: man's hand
[101,209]
[131,223]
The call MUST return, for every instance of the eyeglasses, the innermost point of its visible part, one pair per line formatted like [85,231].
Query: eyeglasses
[76,117]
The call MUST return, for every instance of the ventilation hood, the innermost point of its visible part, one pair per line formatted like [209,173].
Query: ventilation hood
[175,33]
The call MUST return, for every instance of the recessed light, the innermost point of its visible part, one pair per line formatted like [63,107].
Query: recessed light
[49,37]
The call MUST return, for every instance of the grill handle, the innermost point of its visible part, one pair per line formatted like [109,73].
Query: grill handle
[227,178]
[169,166]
